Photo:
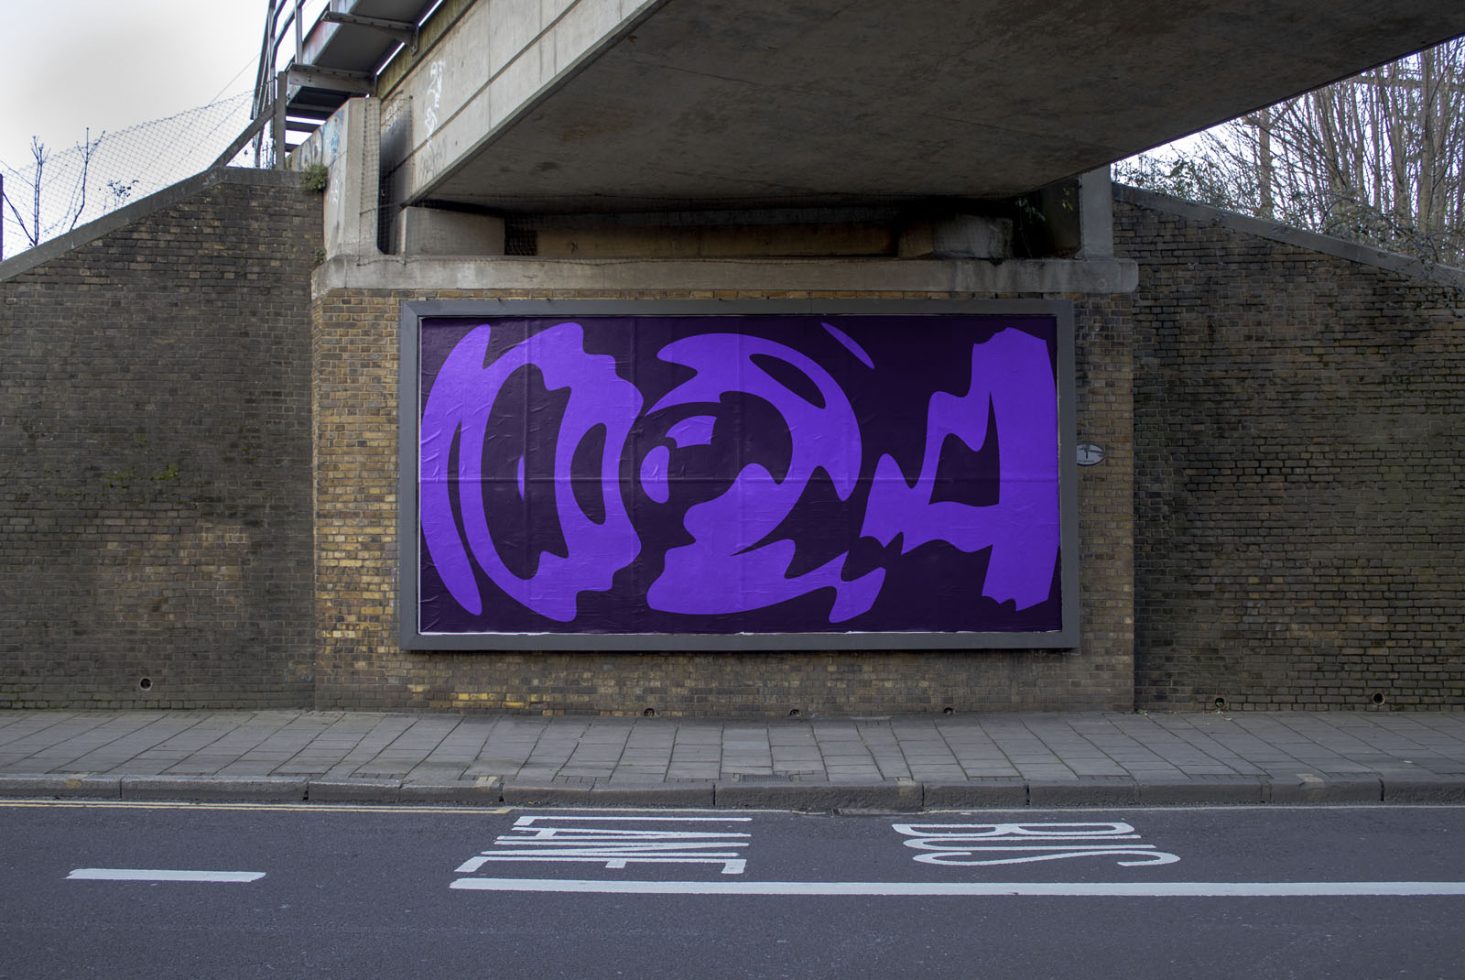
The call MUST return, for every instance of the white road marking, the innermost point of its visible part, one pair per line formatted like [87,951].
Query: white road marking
[991,844]
[925,889]
[610,842]
[154,874]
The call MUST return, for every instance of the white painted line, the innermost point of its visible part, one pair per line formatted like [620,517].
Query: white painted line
[1057,889]
[527,821]
[146,874]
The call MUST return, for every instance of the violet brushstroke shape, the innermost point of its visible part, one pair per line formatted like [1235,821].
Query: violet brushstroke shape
[725,569]
[1012,380]
[459,406]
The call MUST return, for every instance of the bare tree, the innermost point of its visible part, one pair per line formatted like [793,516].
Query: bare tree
[36,229]
[1378,158]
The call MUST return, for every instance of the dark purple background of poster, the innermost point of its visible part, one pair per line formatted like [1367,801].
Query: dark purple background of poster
[935,588]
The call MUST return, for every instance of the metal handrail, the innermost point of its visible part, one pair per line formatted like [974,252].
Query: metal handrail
[284,20]
[275,34]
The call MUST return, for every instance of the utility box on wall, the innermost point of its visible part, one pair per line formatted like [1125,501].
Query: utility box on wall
[777,475]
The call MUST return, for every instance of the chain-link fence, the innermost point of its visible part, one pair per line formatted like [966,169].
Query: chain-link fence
[103,171]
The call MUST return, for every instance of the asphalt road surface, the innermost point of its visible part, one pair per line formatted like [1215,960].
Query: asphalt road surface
[160,890]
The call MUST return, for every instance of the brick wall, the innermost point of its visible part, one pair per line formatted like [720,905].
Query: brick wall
[360,663]
[1286,533]
[155,454]
[1300,481]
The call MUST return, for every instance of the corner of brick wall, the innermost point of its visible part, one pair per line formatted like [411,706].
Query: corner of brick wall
[155,485]
[1299,502]
[361,665]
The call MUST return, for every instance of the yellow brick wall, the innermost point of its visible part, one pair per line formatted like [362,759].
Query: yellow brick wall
[361,665]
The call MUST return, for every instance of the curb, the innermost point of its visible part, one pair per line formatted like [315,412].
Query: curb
[1202,791]
[771,795]
[483,791]
[693,794]
[1311,788]
[1084,791]
[1307,789]
[989,793]
[262,789]
[86,787]
[1412,787]
[354,791]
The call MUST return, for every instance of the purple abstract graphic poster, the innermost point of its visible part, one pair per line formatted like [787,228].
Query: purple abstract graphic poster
[738,475]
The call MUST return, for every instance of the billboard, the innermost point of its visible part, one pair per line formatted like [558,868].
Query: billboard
[735,476]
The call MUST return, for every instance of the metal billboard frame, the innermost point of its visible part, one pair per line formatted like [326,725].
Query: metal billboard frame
[409,536]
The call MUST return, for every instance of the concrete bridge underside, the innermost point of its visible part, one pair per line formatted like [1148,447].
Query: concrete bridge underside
[607,105]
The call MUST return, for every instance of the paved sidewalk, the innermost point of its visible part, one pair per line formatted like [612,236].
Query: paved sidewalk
[901,763]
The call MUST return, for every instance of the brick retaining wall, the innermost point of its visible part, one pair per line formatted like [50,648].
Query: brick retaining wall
[1300,477]
[155,454]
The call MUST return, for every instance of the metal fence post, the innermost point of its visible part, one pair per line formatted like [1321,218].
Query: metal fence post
[282,84]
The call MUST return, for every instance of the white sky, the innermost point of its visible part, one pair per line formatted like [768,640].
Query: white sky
[110,64]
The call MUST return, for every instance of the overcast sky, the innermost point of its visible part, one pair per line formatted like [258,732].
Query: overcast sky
[110,64]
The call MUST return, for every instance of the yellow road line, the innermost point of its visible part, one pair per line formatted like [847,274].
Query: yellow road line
[21,804]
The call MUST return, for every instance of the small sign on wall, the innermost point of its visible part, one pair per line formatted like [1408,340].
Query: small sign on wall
[737,476]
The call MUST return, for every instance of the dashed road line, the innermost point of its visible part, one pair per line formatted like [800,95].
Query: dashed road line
[159,874]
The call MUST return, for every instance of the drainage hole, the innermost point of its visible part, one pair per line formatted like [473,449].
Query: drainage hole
[649,713]
[948,710]
[145,684]
[1378,698]
[1220,704]
[793,713]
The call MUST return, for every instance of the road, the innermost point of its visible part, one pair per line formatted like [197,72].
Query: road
[162,890]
